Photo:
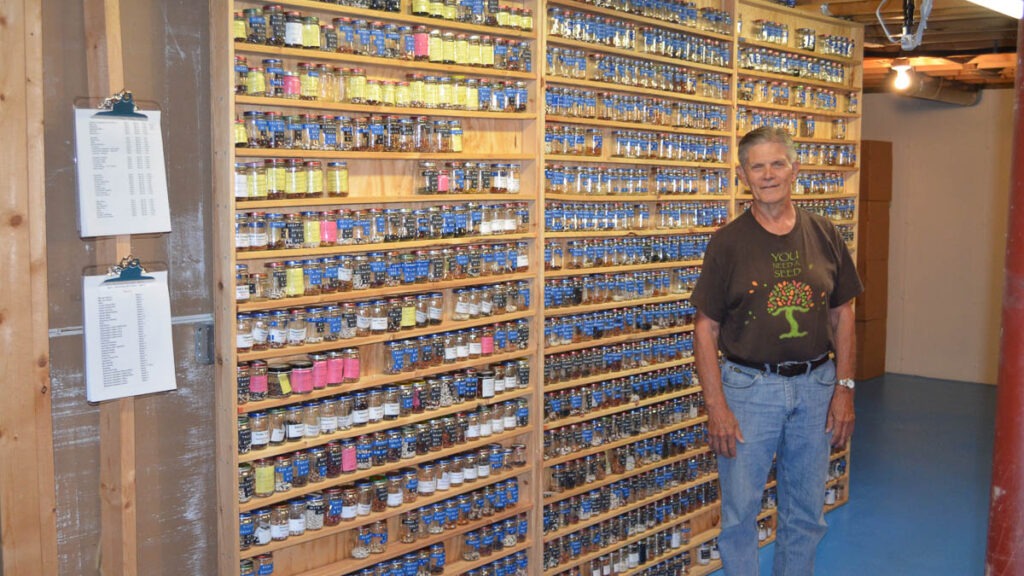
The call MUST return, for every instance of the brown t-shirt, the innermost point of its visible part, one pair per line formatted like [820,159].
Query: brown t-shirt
[772,294]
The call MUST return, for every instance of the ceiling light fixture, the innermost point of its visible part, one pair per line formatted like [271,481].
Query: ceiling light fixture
[1011,8]
[902,68]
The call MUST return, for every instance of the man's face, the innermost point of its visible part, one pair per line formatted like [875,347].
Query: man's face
[768,173]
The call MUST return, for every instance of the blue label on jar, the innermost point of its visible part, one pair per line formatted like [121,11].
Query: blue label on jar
[314,276]
[395,270]
[412,355]
[266,569]
[334,507]
[452,513]
[302,467]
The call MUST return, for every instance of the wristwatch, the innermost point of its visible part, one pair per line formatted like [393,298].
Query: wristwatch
[847,383]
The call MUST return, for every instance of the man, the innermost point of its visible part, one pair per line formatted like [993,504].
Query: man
[775,296]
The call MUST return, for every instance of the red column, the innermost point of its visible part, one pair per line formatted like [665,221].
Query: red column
[1004,556]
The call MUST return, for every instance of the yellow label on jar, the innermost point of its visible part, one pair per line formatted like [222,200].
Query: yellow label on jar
[462,51]
[430,95]
[487,55]
[436,9]
[238,29]
[241,136]
[337,182]
[311,233]
[315,182]
[276,179]
[403,95]
[515,20]
[264,479]
[388,94]
[473,54]
[373,92]
[255,84]
[448,50]
[503,18]
[435,47]
[293,181]
[420,6]
[294,284]
[309,86]
[357,87]
[444,94]
[460,97]
[450,12]
[259,185]
[457,140]
[417,92]
[311,35]
[526,23]
[472,98]
[408,316]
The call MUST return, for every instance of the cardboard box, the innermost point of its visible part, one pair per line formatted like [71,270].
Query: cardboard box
[875,170]
[872,304]
[870,349]
[873,232]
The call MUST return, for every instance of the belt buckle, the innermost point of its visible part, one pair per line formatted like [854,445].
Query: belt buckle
[790,369]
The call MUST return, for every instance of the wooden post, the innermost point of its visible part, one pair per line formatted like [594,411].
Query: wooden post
[28,527]
[118,505]
[1006,511]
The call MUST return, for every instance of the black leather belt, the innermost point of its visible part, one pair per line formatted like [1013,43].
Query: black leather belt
[787,369]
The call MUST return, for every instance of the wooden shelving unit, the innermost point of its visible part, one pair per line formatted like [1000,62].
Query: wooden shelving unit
[389,181]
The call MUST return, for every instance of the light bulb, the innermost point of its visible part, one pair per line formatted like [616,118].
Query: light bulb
[902,81]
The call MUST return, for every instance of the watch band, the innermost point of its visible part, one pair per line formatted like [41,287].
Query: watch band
[847,383]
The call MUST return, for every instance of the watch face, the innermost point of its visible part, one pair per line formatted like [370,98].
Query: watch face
[846,383]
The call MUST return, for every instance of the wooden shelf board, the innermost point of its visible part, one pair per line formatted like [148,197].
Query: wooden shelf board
[645,90]
[448,326]
[277,497]
[265,102]
[372,293]
[623,268]
[613,375]
[633,125]
[799,14]
[618,339]
[415,66]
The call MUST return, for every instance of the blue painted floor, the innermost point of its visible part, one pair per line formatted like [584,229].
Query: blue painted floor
[920,474]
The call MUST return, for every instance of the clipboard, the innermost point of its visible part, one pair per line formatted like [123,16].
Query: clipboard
[127,323]
[120,168]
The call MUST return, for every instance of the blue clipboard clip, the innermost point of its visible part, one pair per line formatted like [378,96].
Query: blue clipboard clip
[129,270]
[120,105]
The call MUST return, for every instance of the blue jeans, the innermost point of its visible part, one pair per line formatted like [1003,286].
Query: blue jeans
[784,417]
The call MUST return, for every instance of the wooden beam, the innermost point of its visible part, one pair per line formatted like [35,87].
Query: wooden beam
[118,500]
[28,525]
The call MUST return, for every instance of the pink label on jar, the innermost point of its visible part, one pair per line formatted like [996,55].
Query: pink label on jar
[352,368]
[348,459]
[329,234]
[291,86]
[258,383]
[420,44]
[486,345]
[319,374]
[302,380]
[442,182]
[335,371]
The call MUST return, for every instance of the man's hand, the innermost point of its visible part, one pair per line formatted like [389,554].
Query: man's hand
[723,431]
[840,416]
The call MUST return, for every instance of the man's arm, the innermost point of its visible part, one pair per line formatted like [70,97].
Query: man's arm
[723,429]
[840,412]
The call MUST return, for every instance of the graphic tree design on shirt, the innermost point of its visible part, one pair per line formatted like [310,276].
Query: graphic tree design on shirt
[788,297]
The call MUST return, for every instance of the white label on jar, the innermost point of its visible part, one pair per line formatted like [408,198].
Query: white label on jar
[457,478]
[345,421]
[328,424]
[259,334]
[392,409]
[462,307]
[483,470]
[421,317]
[348,512]
[451,353]
[676,541]
[378,324]
[296,430]
[261,438]
[444,481]
[277,435]
[427,487]
[263,535]
[485,227]
[435,313]
[510,224]
[360,416]
[510,422]
[498,425]
[486,307]
[241,239]
[499,385]
[475,349]
[362,322]
[297,526]
[462,351]
[242,292]
[470,473]
[278,335]
[376,413]
[522,261]
[278,531]
[258,240]
[485,428]
[243,340]
[487,387]
[472,431]
[511,382]
[241,186]
[293,33]
[296,336]
[363,509]
[312,430]
[474,309]
[344,274]
[394,499]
